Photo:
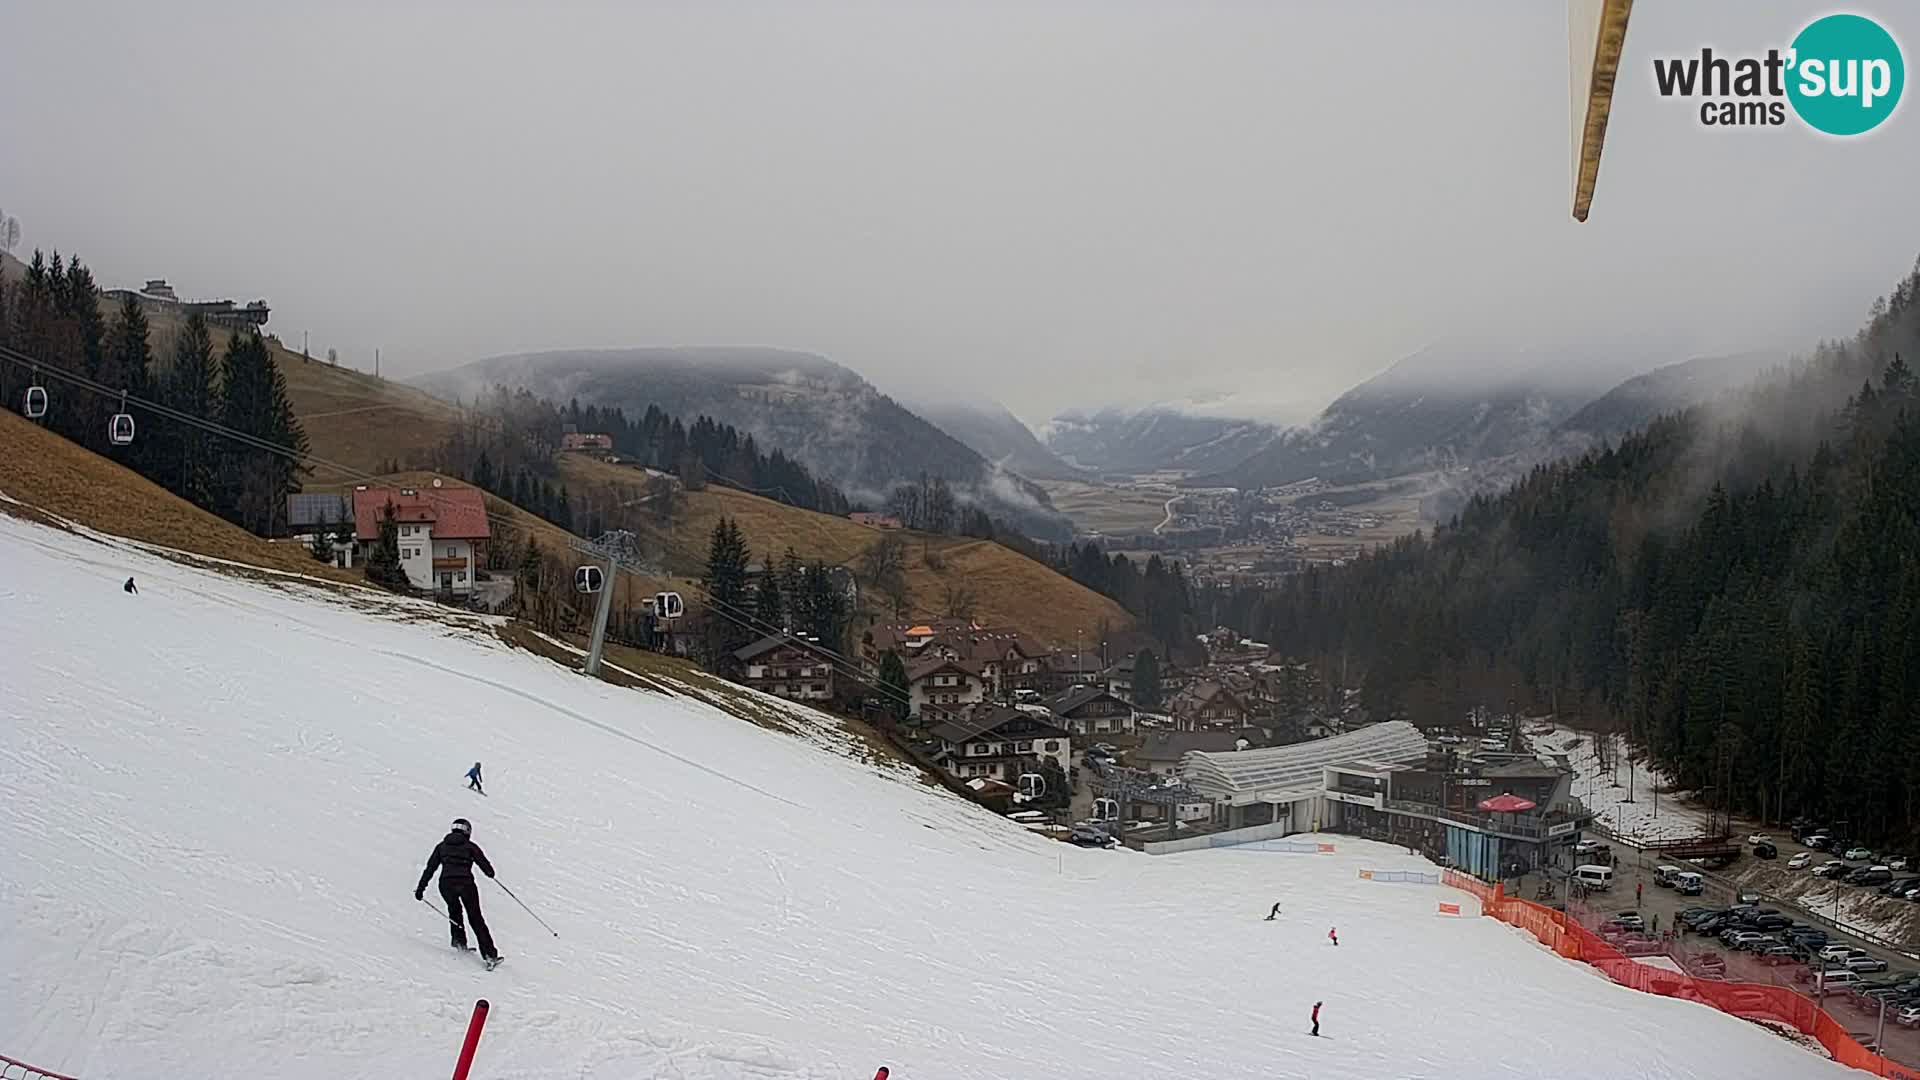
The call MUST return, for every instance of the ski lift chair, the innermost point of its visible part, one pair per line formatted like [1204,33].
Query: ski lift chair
[588,579]
[35,405]
[669,605]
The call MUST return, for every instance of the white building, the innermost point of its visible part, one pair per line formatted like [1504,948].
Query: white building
[1289,783]
[944,686]
[442,532]
[1000,743]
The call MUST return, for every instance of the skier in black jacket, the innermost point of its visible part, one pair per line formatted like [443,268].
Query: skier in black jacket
[455,857]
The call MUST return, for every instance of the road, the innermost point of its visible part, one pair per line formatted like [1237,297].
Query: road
[1168,520]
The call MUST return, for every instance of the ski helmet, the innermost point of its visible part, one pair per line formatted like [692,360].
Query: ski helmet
[462,825]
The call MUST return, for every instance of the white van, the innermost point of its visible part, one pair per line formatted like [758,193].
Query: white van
[1834,980]
[1664,874]
[1594,877]
[1688,883]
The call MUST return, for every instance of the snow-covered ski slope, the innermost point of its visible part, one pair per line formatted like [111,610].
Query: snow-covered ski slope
[219,793]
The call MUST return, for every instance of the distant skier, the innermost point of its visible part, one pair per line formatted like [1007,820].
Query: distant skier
[1316,1018]
[1275,913]
[1333,934]
[455,857]
[473,779]
[128,587]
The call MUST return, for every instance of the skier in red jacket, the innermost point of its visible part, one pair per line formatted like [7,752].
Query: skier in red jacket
[1333,934]
[1316,1018]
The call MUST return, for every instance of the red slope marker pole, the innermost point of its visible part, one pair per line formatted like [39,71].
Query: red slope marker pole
[473,1040]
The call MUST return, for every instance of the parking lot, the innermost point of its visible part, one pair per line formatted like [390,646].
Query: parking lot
[1661,907]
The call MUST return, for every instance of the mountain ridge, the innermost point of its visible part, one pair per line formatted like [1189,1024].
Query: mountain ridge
[820,413]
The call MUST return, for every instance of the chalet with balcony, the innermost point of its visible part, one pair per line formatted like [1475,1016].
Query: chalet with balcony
[1090,710]
[999,743]
[785,666]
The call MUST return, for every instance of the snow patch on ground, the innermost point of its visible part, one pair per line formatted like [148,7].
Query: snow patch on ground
[1649,817]
[220,794]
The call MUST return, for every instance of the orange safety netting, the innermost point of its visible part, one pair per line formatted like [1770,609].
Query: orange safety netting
[1773,1004]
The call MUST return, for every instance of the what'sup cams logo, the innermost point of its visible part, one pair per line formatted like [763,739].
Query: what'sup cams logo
[1842,76]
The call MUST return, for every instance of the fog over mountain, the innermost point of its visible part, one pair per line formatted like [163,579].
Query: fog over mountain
[1066,206]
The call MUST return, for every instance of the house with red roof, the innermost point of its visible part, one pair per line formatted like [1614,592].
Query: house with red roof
[442,532]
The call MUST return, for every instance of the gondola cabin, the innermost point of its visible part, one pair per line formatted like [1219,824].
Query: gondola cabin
[589,579]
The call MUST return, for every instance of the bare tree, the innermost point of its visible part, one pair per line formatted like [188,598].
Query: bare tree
[960,602]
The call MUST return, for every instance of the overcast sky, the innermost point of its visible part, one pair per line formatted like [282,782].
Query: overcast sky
[1056,203]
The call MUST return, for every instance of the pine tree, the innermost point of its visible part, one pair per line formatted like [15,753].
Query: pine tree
[190,386]
[483,477]
[826,607]
[893,682]
[1146,681]
[725,586]
[383,561]
[125,366]
[768,608]
[254,480]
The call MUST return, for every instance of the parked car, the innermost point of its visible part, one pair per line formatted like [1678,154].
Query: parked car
[1830,868]
[1710,963]
[1770,923]
[1866,964]
[1765,850]
[1800,860]
[1835,978]
[1857,854]
[1839,953]
[1089,835]
[1818,842]
[1688,883]
[1775,955]
[1663,875]
[1908,1016]
[1747,897]
[1900,862]
[1872,875]
[1898,886]
[1758,838]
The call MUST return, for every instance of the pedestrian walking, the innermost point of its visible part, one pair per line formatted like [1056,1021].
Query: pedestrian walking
[1333,934]
[1637,886]
[455,857]
[128,587]
[473,779]
[1316,1019]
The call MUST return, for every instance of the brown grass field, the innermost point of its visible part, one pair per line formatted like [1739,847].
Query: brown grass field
[1009,588]
[358,422]
[46,471]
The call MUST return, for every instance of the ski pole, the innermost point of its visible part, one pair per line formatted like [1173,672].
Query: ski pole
[525,908]
[437,911]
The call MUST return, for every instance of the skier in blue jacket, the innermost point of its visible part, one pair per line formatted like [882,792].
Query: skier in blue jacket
[473,778]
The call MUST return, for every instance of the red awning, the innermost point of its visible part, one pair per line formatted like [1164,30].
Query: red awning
[1507,804]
